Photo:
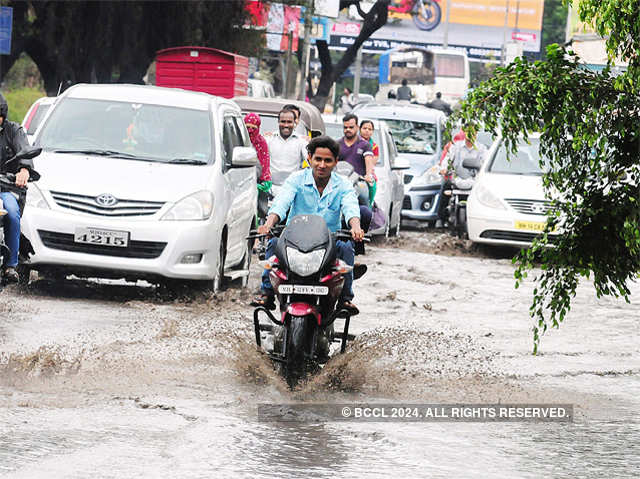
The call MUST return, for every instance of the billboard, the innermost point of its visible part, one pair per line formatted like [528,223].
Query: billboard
[480,27]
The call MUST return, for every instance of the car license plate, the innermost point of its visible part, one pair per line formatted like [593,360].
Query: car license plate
[303,289]
[530,225]
[102,237]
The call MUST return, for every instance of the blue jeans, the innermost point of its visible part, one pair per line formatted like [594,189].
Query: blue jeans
[345,253]
[11,227]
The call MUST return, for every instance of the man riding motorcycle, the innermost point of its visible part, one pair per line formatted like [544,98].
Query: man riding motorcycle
[319,191]
[12,140]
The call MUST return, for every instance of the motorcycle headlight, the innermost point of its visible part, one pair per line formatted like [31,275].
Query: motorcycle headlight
[488,199]
[197,206]
[305,264]
[35,198]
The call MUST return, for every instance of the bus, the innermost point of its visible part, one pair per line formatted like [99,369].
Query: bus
[427,71]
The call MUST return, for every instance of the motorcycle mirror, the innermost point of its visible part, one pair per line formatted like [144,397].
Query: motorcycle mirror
[26,154]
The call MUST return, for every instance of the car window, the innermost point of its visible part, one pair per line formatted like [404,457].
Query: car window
[144,131]
[243,134]
[40,113]
[414,136]
[526,161]
[231,137]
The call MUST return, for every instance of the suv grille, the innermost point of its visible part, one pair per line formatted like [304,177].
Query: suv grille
[529,207]
[136,249]
[88,204]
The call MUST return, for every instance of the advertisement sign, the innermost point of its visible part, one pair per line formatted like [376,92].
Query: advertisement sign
[6,24]
[477,26]
[282,20]
[326,8]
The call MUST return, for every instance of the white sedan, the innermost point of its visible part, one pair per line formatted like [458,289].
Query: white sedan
[507,205]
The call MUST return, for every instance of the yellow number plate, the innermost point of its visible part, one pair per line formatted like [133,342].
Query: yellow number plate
[530,225]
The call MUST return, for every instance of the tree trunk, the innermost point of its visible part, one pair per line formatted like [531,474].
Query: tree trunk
[373,20]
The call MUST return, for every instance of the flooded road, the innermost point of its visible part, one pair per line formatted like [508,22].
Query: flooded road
[108,380]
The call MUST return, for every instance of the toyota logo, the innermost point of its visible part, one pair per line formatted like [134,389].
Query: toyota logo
[537,208]
[106,199]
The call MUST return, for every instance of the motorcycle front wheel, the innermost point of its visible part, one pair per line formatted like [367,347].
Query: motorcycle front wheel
[299,342]
[426,15]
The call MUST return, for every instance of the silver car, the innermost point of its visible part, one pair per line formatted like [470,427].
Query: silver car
[389,171]
[417,132]
[142,182]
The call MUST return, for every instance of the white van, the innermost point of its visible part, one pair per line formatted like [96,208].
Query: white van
[142,182]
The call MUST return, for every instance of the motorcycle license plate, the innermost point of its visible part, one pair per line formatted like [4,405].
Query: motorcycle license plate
[303,289]
[102,237]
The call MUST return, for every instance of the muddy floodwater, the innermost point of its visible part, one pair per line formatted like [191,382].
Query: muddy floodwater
[101,379]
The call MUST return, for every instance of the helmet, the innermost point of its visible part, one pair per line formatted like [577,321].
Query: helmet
[4,107]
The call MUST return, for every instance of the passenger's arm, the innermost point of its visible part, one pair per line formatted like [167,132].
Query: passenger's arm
[285,197]
[351,212]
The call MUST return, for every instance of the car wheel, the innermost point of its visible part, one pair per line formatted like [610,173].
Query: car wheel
[217,284]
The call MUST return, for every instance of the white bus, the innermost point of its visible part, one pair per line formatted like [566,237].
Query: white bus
[427,71]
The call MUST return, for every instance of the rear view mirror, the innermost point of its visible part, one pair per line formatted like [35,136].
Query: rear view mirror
[243,156]
[401,164]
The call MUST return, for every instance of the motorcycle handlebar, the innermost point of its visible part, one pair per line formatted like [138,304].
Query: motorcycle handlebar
[8,182]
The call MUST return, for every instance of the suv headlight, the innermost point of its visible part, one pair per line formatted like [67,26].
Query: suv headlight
[197,206]
[305,264]
[488,199]
[35,198]
[430,177]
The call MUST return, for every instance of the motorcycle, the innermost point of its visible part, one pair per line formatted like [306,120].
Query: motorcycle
[8,184]
[308,278]
[457,207]
[426,14]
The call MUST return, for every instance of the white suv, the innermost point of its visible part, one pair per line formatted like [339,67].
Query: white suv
[142,182]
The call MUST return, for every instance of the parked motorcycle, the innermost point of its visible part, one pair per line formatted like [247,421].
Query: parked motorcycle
[8,184]
[426,14]
[308,279]
[457,207]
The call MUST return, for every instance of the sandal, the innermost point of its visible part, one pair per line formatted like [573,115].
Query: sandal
[265,300]
[349,306]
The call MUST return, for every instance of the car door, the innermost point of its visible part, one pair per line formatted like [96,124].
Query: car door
[240,186]
[396,176]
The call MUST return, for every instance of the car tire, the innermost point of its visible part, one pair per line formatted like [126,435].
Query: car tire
[217,283]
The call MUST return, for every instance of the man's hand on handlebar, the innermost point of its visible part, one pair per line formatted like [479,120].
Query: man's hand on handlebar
[22,177]
[356,231]
[272,220]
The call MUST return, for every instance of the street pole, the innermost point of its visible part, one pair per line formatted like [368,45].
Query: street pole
[357,73]
[287,83]
[445,41]
[504,36]
[306,46]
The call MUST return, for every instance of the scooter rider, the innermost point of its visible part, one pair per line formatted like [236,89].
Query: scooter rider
[319,191]
[12,140]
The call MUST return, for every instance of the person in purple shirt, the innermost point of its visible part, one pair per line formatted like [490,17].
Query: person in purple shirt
[357,151]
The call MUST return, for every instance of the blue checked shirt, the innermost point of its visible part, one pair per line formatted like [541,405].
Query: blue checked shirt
[300,194]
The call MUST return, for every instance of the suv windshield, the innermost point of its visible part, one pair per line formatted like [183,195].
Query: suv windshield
[134,131]
[525,162]
[414,136]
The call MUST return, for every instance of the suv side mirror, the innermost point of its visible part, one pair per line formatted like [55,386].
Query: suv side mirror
[400,164]
[243,156]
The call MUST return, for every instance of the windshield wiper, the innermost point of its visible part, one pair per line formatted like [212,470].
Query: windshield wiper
[187,161]
[107,153]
